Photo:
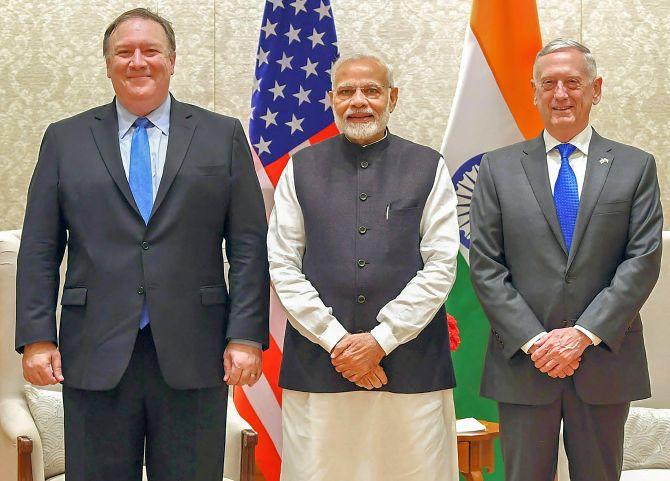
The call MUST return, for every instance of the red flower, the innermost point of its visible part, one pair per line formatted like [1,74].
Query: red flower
[454,338]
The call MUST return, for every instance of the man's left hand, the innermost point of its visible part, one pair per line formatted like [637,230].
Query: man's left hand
[356,355]
[242,364]
[558,349]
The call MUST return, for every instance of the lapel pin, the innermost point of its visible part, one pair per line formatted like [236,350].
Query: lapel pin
[604,160]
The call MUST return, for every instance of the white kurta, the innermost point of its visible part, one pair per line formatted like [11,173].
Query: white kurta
[360,435]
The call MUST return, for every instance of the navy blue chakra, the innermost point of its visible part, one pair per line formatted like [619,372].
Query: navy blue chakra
[464,183]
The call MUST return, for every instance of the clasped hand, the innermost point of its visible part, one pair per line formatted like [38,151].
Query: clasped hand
[357,357]
[559,352]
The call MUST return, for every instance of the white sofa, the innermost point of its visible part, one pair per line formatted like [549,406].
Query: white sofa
[22,459]
[647,431]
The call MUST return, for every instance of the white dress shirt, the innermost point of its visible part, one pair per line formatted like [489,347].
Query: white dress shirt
[578,163]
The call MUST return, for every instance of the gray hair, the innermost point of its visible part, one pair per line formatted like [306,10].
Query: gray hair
[361,56]
[561,44]
[147,15]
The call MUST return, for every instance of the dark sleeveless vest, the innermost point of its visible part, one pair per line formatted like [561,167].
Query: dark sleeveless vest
[362,207]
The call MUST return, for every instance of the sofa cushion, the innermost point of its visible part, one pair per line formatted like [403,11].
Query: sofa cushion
[46,407]
[647,439]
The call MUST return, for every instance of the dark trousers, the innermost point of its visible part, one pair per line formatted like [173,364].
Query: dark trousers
[106,431]
[592,434]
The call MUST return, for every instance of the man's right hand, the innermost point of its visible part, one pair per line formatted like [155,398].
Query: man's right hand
[42,363]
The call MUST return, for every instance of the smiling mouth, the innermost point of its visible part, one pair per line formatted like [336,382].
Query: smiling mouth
[360,117]
[562,109]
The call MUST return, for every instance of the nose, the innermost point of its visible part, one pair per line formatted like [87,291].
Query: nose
[561,92]
[359,100]
[137,60]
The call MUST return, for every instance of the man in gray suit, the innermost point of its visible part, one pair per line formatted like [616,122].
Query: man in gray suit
[566,247]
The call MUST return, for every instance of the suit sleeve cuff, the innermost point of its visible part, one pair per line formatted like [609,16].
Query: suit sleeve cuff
[332,335]
[532,341]
[246,342]
[594,339]
[385,338]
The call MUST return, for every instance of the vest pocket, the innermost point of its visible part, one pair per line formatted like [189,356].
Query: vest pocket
[73,296]
[212,295]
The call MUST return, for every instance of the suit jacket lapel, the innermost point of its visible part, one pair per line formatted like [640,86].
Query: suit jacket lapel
[594,180]
[534,161]
[105,129]
[182,126]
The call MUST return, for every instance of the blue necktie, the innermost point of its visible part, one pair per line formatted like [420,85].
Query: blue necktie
[566,194]
[139,178]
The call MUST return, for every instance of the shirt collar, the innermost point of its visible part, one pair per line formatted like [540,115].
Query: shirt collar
[581,140]
[160,117]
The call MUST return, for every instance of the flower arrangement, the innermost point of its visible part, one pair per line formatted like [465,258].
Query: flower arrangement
[454,337]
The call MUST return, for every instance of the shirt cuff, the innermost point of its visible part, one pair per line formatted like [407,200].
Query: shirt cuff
[247,342]
[594,339]
[384,336]
[533,340]
[332,335]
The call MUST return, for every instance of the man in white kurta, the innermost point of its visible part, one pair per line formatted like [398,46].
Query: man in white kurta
[366,398]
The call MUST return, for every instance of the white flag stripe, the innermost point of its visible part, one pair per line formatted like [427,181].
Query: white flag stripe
[266,407]
[480,120]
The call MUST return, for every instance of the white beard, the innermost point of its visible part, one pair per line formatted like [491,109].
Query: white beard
[363,131]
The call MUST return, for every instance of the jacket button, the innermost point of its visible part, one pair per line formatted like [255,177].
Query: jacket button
[145,246]
[361,263]
[140,290]
[364,164]
[565,323]
[361,299]
[363,196]
[362,230]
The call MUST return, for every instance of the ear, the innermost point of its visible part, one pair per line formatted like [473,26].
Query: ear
[330,96]
[108,67]
[172,59]
[597,89]
[532,83]
[393,98]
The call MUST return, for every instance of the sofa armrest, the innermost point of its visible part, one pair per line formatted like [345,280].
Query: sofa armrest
[16,421]
[647,439]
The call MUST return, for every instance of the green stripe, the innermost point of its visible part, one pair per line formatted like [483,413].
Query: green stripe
[469,357]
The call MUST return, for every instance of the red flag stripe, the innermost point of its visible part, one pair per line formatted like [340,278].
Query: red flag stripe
[268,460]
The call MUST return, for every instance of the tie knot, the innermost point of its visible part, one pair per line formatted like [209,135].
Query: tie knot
[142,122]
[565,150]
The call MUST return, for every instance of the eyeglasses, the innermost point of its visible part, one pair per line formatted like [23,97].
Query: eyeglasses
[370,91]
[570,84]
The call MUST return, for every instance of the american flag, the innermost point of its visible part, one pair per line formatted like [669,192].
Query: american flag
[290,110]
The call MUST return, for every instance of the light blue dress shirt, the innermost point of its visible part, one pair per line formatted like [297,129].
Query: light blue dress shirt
[158,134]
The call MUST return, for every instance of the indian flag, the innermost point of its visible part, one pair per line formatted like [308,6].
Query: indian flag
[493,107]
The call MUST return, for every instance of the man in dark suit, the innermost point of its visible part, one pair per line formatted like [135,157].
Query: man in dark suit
[566,247]
[143,191]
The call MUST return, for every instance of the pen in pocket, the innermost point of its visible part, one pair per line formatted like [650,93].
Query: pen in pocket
[388,206]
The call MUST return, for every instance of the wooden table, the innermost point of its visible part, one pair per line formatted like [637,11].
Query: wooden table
[475,451]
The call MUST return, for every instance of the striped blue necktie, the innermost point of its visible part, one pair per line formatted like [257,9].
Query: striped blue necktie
[139,178]
[566,194]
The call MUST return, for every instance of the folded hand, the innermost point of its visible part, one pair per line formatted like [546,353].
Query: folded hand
[356,355]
